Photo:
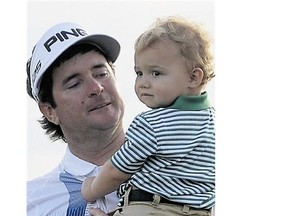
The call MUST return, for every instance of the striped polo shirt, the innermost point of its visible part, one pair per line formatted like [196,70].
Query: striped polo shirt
[171,152]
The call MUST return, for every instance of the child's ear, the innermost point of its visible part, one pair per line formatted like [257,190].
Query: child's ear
[196,77]
[49,112]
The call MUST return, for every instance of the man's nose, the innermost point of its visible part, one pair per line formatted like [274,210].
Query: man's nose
[94,87]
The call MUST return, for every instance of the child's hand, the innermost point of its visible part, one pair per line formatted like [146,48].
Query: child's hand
[86,189]
[97,212]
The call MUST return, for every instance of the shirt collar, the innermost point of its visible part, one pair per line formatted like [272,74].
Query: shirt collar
[194,103]
[76,166]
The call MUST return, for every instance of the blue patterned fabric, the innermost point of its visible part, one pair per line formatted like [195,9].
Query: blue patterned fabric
[77,204]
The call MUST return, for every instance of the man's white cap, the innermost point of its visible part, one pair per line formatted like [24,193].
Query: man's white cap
[58,39]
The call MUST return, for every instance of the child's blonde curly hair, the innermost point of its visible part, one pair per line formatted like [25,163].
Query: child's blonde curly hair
[193,42]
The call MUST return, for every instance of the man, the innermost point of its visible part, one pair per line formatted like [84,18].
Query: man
[71,76]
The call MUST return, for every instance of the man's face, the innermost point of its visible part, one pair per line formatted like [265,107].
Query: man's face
[86,94]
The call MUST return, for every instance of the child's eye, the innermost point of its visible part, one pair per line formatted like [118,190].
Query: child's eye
[156,73]
[138,73]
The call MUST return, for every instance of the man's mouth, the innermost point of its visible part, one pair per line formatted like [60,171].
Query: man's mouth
[99,106]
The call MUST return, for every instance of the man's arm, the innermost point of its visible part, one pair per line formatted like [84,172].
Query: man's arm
[107,181]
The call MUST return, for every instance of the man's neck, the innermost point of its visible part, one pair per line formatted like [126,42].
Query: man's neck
[99,147]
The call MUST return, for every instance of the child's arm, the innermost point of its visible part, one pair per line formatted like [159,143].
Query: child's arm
[107,181]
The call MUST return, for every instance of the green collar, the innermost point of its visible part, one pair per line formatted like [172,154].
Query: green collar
[194,103]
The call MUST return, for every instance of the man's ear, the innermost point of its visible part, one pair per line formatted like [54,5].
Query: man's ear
[49,112]
[196,77]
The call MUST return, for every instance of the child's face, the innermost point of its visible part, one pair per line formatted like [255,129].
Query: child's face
[162,74]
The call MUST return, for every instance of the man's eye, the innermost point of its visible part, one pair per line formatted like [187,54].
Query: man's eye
[101,75]
[105,74]
[73,85]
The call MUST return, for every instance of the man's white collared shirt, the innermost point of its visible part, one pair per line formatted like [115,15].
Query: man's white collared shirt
[59,191]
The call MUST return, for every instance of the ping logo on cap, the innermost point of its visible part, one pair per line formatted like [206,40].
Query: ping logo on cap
[62,36]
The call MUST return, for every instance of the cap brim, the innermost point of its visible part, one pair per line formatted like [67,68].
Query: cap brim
[108,45]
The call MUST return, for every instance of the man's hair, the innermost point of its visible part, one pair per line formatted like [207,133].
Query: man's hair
[193,42]
[46,86]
